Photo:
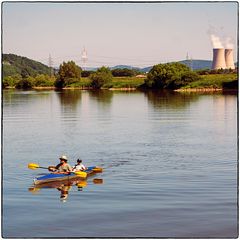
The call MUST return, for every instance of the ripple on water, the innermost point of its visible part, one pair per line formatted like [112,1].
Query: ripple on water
[170,164]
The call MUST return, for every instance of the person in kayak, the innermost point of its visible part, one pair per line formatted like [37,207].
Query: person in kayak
[79,166]
[62,167]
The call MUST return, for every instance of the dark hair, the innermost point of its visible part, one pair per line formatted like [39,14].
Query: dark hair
[79,160]
[65,160]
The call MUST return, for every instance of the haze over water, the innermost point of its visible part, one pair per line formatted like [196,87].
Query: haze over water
[169,159]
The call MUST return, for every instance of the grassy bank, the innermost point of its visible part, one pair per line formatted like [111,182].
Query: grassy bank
[117,82]
[212,81]
[126,82]
[83,83]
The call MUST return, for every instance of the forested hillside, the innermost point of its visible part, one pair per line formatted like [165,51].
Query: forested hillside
[13,64]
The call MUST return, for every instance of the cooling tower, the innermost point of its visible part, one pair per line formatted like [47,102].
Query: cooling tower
[229,59]
[218,58]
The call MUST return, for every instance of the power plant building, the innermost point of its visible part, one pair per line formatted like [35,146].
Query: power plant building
[222,59]
[229,59]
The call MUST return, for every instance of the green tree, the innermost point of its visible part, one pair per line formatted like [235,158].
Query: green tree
[100,78]
[170,76]
[124,72]
[68,73]
[9,70]
[26,83]
[11,81]
[43,80]
[86,73]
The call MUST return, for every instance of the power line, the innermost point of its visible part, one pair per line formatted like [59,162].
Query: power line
[50,62]
[84,58]
[92,60]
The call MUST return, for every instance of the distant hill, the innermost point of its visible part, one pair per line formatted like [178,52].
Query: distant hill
[13,64]
[193,64]
[198,64]
[146,69]
[125,66]
[115,67]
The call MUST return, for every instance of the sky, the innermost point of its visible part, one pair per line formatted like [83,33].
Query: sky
[136,34]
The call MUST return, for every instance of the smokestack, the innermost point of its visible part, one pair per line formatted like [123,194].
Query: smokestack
[218,58]
[229,58]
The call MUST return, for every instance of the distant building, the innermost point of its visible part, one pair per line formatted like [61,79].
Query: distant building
[141,76]
[223,59]
[6,63]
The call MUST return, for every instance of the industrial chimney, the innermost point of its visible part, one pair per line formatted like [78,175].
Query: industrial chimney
[229,59]
[218,59]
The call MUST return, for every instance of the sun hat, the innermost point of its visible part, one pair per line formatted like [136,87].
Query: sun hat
[63,158]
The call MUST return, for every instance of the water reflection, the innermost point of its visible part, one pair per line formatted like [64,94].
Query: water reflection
[170,99]
[13,96]
[184,166]
[64,187]
[69,99]
[101,96]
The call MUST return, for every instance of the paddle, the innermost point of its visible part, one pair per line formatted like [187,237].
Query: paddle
[81,174]
[97,170]
[34,166]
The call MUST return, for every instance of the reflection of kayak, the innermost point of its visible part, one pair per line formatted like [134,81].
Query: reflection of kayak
[57,184]
[53,177]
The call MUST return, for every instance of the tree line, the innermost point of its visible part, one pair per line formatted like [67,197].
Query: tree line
[17,73]
[161,76]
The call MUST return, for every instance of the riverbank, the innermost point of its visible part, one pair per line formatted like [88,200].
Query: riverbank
[199,90]
[213,82]
[206,83]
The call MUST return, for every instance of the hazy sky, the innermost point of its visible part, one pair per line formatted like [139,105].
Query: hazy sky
[138,34]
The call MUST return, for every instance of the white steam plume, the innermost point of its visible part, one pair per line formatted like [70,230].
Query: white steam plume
[229,43]
[216,41]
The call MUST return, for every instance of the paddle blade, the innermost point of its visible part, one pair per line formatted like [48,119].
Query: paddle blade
[33,166]
[34,190]
[97,170]
[81,174]
[98,181]
[82,184]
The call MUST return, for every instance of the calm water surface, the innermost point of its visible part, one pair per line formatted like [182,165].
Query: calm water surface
[169,159]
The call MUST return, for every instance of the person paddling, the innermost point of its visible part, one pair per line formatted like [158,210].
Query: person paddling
[62,167]
[79,166]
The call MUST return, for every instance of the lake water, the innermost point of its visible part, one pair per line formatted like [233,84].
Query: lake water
[170,164]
